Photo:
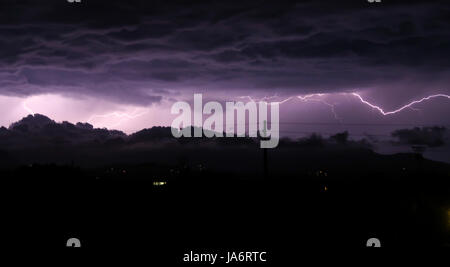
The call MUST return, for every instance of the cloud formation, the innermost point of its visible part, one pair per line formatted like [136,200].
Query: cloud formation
[429,136]
[140,52]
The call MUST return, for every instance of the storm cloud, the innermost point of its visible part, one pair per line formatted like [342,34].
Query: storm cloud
[140,52]
[430,136]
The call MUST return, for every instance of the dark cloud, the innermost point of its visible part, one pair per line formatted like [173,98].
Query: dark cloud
[429,136]
[132,51]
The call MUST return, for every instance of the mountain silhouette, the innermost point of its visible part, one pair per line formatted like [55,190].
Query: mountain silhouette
[39,139]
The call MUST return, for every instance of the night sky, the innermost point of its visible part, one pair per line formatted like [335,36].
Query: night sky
[122,64]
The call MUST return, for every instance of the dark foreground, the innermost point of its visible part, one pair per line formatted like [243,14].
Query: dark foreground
[127,207]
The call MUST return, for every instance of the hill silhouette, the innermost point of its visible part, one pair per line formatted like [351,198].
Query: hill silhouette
[39,139]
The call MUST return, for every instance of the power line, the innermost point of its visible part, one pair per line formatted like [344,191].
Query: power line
[356,124]
[350,134]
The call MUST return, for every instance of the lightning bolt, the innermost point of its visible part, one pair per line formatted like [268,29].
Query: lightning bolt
[266,98]
[317,98]
[409,105]
[27,108]
[305,98]
[309,97]
[122,115]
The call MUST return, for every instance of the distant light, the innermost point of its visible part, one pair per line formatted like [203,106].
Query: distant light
[159,183]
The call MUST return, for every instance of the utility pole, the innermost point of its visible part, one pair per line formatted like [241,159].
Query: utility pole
[265,159]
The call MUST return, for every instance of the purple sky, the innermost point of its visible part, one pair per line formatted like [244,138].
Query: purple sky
[121,64]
